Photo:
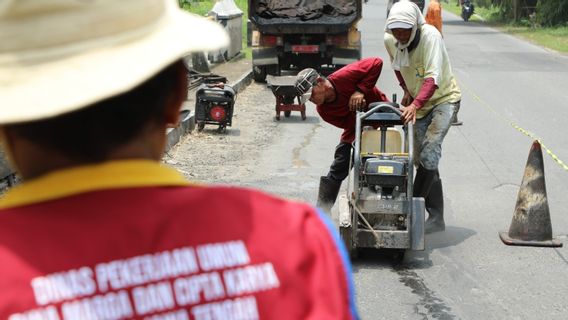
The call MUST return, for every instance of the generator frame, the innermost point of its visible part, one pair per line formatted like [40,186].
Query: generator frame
[214,93]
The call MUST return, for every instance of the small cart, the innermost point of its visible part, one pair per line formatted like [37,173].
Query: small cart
[287,97]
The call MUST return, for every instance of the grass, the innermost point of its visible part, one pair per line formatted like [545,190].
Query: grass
[202,8]
[551,38]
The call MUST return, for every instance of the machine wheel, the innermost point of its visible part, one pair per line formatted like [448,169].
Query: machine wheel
[259,73]
[287,113]
[222,129]
[200,126]
[277,117]
[346,234]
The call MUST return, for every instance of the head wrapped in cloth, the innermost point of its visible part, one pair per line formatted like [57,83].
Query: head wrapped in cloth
[404,15]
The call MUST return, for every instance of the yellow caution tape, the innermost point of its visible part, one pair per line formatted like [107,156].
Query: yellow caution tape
[520,129]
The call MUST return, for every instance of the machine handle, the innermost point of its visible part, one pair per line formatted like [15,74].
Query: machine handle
[380,107]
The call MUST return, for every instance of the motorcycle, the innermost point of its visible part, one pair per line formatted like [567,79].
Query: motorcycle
[467,10]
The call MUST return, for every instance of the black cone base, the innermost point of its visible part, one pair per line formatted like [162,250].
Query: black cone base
[504,235]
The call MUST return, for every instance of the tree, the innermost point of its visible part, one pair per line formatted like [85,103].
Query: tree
[552,12]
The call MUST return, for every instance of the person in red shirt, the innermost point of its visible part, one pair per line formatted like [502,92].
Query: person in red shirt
[99,228]
[337,97]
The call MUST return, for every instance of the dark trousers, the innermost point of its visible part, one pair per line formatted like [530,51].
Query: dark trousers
[339,169]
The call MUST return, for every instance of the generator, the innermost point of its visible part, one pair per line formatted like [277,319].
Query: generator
[214,104]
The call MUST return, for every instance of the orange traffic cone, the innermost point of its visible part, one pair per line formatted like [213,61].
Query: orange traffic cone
[531,221]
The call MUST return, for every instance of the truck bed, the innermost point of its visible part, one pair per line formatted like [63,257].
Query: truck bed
[289,21]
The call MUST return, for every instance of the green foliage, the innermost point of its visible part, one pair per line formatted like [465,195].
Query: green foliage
[552,12]
[549,12]
[199,7]
[483,3]
[490,14]
[185,4]
[512,11]
[506,12]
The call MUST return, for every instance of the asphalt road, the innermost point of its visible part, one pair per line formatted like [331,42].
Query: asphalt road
[465,272]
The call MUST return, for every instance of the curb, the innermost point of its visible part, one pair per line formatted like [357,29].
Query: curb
[174,135]
[187,124]
[242,82]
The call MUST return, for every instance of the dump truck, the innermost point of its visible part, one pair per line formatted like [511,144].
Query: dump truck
[300,34]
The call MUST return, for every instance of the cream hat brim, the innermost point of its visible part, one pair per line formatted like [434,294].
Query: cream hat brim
[400,25]
[44,88]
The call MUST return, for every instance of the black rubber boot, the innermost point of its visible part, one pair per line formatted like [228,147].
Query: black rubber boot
[328,191]
[423,181]
[435,207]
[455,120]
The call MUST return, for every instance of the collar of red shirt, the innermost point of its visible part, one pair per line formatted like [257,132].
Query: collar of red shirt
[108,175]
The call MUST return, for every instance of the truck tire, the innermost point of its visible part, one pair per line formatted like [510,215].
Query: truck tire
[273,69]
[259,73]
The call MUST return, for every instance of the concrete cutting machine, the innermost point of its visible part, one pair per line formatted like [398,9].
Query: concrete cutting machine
[379,210]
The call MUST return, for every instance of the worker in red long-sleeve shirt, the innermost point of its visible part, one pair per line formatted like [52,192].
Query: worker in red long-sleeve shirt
[337,98]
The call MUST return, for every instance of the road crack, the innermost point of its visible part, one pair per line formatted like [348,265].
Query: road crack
[429,306]
[296,160]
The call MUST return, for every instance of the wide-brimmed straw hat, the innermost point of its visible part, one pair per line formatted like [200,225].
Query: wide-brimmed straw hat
[58,56]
